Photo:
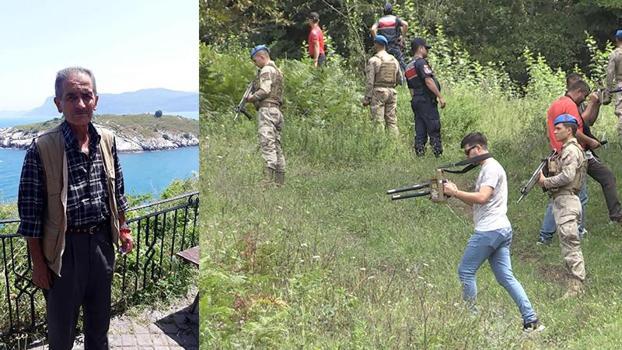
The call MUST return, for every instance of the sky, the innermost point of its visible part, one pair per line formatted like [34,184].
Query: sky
[129,45]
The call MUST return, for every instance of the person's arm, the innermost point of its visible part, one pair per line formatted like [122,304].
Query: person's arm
[480,197]
[569,165]
[127,243]
[585,140]
[404,27]
[611,70]
[263,90]
[429,82]
[316,52]
[591,111]
[374,30]
[370,75]
[30,203]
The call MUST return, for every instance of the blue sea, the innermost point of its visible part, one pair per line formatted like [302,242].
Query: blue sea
[144,172]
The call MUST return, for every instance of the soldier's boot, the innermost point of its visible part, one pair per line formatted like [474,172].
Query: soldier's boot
[419,150]
[575,288]
[268,176]
[279,178]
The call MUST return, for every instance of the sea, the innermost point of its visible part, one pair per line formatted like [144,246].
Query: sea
[144,172]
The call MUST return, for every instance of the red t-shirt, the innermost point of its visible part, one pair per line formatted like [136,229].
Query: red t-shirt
[563,105]
[316,35]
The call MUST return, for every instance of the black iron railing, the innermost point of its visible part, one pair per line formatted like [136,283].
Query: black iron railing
[160,230]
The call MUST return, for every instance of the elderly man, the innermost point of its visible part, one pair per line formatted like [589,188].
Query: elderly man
[71,205]
[267,96]
[383,73]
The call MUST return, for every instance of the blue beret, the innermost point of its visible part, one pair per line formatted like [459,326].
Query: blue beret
[257,49]
[619,34]
[380,39]
[565,118]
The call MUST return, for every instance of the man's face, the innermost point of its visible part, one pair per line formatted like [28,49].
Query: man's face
[562,132]
[78,101]
[471,150]
[260,59]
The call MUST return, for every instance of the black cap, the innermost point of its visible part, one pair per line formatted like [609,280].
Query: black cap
[416,42]
[388,9]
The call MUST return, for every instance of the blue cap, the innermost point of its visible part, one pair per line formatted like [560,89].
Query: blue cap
[619,34]
[565,118]
[380,39]
[257,49]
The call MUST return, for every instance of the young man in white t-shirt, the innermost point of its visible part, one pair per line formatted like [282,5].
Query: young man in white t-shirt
[493,232]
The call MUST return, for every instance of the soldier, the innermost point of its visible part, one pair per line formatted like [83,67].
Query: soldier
[267,96]
[393,29]
[565,178]
[426,95]
[614,76]
[383,74]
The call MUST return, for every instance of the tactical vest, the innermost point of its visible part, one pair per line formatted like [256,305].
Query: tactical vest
[387,74]
[51,149]
[389,27]
[555,168]
[275,97]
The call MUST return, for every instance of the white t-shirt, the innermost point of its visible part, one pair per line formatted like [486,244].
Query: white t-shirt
[492,215]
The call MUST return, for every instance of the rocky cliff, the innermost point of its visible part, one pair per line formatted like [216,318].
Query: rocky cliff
[134,133]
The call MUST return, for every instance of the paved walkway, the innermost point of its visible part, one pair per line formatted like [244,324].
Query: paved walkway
[174,328]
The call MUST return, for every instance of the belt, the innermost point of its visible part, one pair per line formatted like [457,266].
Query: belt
[86,229]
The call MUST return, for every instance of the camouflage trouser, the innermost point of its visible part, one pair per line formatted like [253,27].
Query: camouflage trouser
[617,98]
[567,213]
[383,108]
[270,125]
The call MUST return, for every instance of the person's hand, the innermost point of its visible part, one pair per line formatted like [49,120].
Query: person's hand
[594,144]
[450,188]
[127,243]
[366,101]
[441,101]
[541,179]
[41,275]
[594,97]
[249,98]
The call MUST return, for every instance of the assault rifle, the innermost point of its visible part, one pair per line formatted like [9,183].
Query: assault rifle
[241,107]
[533,180]
[434,187]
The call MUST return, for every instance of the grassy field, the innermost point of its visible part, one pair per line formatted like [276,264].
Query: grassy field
[328,261]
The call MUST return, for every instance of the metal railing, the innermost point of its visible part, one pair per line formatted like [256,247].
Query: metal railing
[159,229]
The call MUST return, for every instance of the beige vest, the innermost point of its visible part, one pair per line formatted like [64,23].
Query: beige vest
[387,74]
[51,148]
[575,185]
[276,89]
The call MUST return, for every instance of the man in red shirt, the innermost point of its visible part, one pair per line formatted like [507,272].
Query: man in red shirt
[316,40]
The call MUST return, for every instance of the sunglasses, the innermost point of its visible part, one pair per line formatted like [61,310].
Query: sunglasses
[468,150]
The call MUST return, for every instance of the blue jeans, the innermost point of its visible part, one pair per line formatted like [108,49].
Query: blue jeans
[548,224]
[494,246]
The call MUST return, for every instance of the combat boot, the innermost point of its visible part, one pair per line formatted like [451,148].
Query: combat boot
[575,288]
[268,176]
[279,178]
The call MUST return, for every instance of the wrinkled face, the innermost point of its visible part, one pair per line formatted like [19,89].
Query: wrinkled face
[562,132]
[78,101]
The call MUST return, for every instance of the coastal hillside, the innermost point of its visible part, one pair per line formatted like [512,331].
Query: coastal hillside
[141,132]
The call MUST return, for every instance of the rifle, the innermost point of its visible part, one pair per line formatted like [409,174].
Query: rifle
[604,94]
[241,107]
[434,187]
[533,180]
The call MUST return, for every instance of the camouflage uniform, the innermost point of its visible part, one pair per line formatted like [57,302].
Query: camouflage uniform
[267,97]
[614,80]
[564,183]
[383,73]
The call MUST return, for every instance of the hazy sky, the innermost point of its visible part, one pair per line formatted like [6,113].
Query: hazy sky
[129,45]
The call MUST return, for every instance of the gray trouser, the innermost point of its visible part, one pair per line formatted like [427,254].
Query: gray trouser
[86,277]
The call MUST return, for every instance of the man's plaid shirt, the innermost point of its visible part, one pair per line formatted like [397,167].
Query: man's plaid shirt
[87,194]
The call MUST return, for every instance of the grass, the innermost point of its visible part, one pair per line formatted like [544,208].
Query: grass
[328,261]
